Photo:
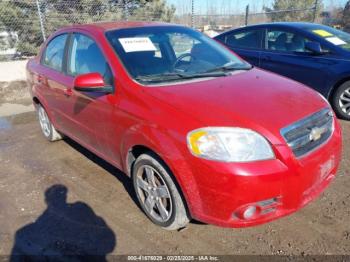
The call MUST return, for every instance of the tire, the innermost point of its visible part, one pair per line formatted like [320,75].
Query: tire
[159,197]
[341,101]
[46,126]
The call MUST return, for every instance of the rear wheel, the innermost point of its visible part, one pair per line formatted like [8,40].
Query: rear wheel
[47,128]
[157,193]
[341,101]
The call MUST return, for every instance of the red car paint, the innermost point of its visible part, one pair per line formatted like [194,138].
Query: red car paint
[85,82]
[159,119]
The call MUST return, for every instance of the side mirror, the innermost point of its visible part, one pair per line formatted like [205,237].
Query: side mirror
[314,47]
[91,82]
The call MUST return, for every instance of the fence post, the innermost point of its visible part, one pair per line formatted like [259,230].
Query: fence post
[192,13]
[315,11]
[126,10]
[246,15]
[41,20]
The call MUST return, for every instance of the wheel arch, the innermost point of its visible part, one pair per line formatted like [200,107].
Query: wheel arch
[36,100]
[39,100]
[336,86]
[135,151]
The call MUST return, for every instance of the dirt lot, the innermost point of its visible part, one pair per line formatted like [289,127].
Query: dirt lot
[14,98]
[101,216]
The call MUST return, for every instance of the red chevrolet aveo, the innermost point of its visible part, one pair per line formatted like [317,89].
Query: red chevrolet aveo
[202,133]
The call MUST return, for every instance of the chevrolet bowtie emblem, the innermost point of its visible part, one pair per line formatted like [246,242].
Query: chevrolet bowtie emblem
[316,133]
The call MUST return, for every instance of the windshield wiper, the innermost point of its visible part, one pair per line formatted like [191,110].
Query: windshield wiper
[176,76]
[230,67]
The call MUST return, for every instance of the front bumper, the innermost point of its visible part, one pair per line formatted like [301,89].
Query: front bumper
[224,189]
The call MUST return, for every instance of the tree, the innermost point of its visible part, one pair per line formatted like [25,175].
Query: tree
[280,5]
[156,10]
[346,17]
[22,17]
[58,13]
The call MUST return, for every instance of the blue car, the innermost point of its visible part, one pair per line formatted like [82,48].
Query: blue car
[315,55]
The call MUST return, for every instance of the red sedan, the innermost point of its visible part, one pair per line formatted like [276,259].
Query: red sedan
[202,133]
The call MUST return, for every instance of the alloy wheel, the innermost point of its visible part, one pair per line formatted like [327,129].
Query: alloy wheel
[344,101]
[154,193]
[44,121]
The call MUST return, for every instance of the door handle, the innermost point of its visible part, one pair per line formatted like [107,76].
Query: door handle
[68,92]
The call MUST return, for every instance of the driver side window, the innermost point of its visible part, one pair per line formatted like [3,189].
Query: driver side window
[285,41]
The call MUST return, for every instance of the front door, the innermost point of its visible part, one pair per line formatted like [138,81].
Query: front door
[285,54]
[90,112]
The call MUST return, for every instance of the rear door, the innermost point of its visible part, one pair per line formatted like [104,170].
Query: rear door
[247,43]
[285,54]
[53,80]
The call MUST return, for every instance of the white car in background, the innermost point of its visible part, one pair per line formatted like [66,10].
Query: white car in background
[8,43]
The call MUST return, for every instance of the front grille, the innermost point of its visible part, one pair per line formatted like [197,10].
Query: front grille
[310,132]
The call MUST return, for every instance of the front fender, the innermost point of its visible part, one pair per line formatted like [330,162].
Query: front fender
[170,148]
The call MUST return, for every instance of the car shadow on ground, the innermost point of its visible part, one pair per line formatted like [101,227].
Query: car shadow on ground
[124,179]
[64,232]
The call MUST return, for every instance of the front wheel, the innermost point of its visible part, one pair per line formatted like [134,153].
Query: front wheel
[47,128]
[341,101]
[157,193]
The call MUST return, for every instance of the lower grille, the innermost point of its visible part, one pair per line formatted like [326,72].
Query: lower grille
[309,133]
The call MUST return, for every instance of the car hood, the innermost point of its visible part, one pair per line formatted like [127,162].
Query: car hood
[255,99]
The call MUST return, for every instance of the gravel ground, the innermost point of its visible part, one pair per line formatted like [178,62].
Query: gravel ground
[14,92]
[100,214]
[13,70]
[14,98]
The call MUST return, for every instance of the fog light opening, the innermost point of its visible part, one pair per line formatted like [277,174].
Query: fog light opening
[249,212]
[255,210]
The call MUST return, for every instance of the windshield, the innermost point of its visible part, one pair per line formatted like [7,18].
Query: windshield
[171,53]
[334,36]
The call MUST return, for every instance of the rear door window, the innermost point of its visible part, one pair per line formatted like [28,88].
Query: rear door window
[247,39]
[54,53]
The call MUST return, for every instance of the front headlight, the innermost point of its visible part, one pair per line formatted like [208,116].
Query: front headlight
[229,144]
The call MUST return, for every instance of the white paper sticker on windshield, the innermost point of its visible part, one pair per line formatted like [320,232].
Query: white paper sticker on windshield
[137,44]
[336,41]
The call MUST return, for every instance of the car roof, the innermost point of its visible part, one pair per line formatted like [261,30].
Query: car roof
[289,24]
[106,26]
[296,25]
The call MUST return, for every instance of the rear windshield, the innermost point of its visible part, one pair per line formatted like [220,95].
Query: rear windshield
[334,36]
[169,51]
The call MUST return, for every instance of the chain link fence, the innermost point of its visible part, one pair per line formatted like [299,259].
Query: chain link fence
[25,24]
[248,17]
[215,22]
